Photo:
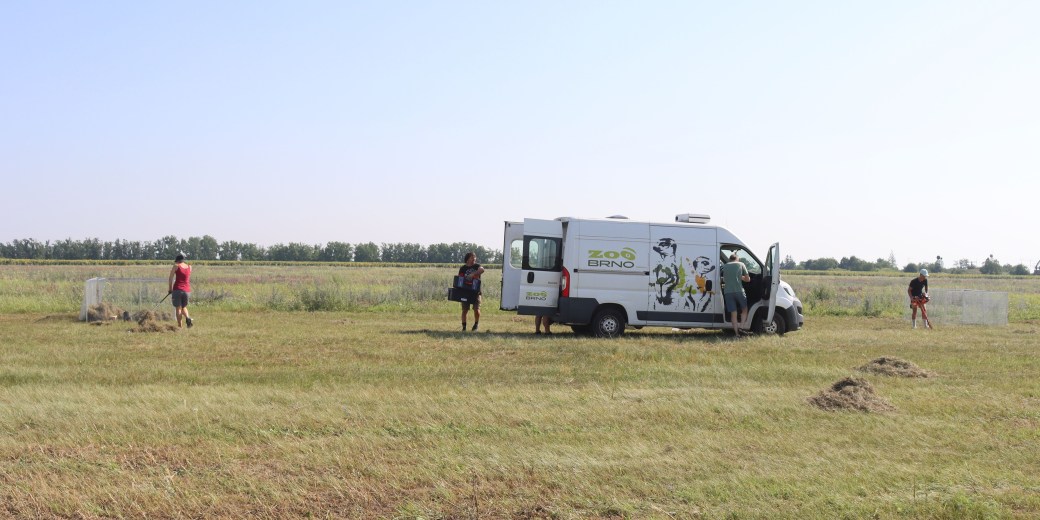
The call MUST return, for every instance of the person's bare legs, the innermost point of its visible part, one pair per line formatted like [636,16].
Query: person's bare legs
[733,320]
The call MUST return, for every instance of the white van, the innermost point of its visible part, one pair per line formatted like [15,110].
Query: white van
[602,275]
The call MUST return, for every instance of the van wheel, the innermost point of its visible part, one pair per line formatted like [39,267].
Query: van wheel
[608,323]
[777,326]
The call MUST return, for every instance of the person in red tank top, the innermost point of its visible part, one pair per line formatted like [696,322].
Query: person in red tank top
[180,286]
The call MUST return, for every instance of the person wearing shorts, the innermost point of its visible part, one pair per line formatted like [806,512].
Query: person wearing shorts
[471,270]
[918,292]
[180,286]
[733,273]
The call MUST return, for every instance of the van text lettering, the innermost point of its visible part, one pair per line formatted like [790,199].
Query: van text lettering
[612,263]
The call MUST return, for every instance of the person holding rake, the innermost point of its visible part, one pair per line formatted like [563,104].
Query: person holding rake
[180,286]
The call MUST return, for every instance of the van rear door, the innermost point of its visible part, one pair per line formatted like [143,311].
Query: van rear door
[541,267]
[773,274]
[512,260]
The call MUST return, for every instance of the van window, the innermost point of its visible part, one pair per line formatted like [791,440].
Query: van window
[542,253]
[744,256]
[516,251]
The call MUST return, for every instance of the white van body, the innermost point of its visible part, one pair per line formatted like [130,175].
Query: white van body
[602,275]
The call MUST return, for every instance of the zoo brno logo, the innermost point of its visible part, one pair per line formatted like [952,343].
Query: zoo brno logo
[537,295]
[612,258]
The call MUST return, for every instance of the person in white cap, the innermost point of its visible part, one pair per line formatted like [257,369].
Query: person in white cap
[918,292]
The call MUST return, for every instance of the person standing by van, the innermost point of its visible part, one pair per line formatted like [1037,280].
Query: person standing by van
[540,321]
[733,273]
[918,292]
[180,286]
[471,271]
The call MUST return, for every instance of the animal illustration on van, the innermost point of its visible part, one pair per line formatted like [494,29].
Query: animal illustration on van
[699,294]
[666,273]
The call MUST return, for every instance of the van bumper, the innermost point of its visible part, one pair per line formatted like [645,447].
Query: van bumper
[794,317]
[576,311]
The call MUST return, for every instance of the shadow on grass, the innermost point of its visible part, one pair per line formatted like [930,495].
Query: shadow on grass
[664,335]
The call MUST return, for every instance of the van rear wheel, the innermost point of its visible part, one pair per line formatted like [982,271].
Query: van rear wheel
[608,323]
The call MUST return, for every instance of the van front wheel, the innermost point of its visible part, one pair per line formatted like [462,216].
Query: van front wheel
[608,323]
[776,326]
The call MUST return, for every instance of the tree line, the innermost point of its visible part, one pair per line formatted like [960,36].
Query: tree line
[989,266]
[208,248]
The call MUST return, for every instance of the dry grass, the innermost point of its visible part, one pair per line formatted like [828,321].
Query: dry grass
[393,414]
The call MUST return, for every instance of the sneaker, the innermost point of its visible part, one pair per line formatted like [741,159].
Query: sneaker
[537,332]
[914,326]
[188,320]
[463,326]
[474,326]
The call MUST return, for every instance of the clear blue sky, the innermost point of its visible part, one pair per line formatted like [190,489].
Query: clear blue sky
[835,128]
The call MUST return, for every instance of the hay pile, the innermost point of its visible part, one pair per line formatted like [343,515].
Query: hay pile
[152,315]
[851,393]
[149,321]
[105,312]
[892,366]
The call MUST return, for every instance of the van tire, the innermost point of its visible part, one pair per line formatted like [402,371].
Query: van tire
[608,323]
[778,326]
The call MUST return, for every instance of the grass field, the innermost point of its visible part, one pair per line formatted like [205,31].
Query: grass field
[378,408]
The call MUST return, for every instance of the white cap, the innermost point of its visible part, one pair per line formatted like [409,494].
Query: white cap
[924,272]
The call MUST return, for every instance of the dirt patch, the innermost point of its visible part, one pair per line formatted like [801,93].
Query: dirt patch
[851,393]
[534,512]
[893,366]
[151,321]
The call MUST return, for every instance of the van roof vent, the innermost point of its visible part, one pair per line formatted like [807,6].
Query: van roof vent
[693,218]
[620,217]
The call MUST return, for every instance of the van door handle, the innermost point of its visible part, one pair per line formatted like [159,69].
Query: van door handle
[530,277]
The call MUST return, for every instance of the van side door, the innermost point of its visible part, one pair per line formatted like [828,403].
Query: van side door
[773,272]
[512,261]
[541,267]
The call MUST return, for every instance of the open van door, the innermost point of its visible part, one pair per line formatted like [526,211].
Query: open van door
[773,285]
[541,267]
[512,261]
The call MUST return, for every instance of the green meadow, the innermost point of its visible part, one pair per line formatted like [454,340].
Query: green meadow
[328,391]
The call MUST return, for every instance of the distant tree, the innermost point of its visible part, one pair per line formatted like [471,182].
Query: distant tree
[892,260]
[337,252]
[231,250]
[820,264]
[965,264]
[855,264]
[991,266]
[209,249]
[911,268]
[1020,269]
[368,252]
[788,263]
